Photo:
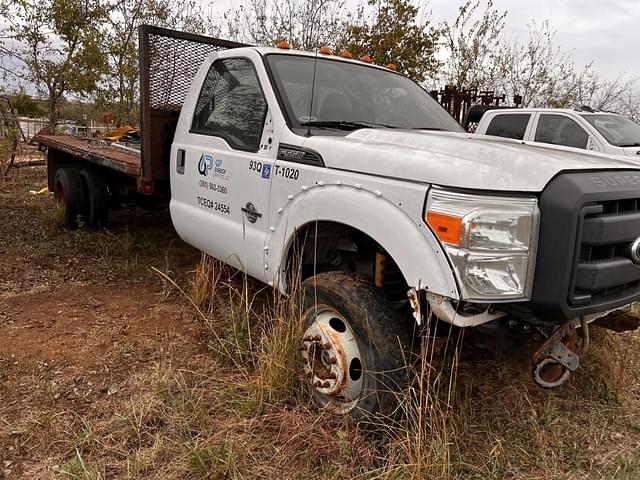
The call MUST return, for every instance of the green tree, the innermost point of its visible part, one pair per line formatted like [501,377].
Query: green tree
[25,105]
[54,45]
[391,34]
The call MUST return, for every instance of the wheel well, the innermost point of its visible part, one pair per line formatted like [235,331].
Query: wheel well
[325,246]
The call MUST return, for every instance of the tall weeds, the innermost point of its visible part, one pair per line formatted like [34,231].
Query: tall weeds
[421,432]
[254,329]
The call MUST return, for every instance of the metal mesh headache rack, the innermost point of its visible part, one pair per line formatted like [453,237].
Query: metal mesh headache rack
[169,60]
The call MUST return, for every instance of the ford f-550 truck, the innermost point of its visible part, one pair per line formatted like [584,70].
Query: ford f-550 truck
[350,177]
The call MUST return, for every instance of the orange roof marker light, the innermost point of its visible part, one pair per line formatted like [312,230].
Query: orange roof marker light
[283,44]
[365,58]
[325,50]
[391,66]
[346,54]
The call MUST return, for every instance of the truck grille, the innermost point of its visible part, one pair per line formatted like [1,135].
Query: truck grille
[588,221]
[604,269]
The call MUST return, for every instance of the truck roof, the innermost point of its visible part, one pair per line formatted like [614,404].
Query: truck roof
[574,111]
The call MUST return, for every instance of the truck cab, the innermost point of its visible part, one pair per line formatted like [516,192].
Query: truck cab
[583,129]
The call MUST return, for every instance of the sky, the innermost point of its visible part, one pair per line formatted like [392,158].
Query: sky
[605,32]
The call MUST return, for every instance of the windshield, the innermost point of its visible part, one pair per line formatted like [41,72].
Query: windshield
[350,96]
[616,129]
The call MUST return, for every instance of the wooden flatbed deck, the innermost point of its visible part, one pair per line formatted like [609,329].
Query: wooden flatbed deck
[99,152]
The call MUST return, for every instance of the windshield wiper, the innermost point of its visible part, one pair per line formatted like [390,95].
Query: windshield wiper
[344,124]
[429,128]
[636,144]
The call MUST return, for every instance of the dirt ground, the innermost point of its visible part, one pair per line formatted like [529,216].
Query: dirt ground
[76,324]
[106,371]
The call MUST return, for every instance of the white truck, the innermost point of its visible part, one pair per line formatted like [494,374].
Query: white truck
[585,129]
[350,178]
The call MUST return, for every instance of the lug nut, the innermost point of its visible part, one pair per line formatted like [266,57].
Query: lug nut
[308,338]
[327,346]
[317,338]
[333,360]
[332,376]
[318,384]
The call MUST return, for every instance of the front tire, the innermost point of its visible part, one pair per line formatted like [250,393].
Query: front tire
[353,346]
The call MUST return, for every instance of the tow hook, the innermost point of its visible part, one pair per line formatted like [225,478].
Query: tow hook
[554,361]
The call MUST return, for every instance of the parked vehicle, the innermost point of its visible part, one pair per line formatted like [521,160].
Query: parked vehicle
[349,177]
[585,129]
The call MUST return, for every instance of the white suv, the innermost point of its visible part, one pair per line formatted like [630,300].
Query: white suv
[589,130]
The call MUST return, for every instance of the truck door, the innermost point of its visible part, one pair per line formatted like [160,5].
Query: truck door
[221,174]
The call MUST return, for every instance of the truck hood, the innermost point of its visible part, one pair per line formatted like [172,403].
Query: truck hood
[457,159]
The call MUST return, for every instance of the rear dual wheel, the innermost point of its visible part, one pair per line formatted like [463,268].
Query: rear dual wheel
[97,197]
[69,194]
[83,197]
[353,347]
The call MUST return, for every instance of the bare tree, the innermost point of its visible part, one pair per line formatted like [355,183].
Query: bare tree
[119,88]
[11,134]
[614,94]
[471,44]
[629,105]
[305,24]
[541,73]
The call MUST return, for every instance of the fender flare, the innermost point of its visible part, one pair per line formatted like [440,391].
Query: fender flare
[408,241]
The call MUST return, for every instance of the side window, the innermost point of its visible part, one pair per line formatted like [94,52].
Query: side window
[561,130]
[231,104]
[509,126]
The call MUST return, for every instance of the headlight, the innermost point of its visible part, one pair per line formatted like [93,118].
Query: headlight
[490,240]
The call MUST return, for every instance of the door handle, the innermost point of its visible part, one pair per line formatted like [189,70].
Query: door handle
[180,161]
[250,211]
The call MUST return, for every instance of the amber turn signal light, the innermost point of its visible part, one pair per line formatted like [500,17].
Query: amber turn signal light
[446,227]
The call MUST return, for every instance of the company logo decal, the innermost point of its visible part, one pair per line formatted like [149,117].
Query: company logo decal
[205,164]
[266,171]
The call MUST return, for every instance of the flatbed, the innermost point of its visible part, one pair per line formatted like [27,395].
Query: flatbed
[99,152]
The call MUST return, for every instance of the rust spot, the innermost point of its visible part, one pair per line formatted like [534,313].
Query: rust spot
[619,322]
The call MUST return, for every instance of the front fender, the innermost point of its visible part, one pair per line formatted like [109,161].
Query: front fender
[409,241]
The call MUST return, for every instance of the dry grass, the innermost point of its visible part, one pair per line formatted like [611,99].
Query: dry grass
[226,402]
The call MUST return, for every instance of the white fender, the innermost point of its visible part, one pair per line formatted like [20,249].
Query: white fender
[407,240]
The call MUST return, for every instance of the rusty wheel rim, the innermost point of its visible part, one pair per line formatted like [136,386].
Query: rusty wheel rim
[332,360]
